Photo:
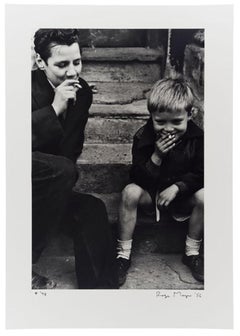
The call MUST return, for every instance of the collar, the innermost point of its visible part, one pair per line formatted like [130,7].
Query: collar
[42,90]
[147,135]
[54,87]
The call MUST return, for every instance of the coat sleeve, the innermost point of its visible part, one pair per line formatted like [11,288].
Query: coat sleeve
[72,144]
[143,171]
[192,181]
[46,128]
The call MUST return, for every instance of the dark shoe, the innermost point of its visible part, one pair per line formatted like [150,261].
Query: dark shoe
[41,282]
[196,265]
[122,268]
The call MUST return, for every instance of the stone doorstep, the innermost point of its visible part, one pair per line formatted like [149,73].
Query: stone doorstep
[104,168]
[102,178]
[137,109]
[120,92]
[122,54]
[105,154]
[111,130]
[121,72]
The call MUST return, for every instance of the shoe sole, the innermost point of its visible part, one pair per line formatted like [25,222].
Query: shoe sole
[196,276]
[123,280]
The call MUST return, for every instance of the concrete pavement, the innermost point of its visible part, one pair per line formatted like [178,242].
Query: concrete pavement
[151,268]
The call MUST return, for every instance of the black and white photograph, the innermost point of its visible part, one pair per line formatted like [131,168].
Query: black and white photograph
[119,159]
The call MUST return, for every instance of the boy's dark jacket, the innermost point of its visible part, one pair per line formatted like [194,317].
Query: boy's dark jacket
[182,166]
[52,134]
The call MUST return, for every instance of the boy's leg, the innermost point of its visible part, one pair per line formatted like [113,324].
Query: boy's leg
[53,178]
[196,221]
[192,258]
[132,197]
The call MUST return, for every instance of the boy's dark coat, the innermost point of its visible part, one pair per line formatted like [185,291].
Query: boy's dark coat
[52,134]
[183,165]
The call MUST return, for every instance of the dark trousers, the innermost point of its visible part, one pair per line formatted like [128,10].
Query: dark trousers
[83,217]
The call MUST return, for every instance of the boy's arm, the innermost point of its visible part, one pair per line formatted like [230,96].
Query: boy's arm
[72,148]
[190,182]
[46,127]
[144,171]
[48,131]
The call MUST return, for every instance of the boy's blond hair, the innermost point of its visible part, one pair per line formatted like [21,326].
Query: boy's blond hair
[171,94]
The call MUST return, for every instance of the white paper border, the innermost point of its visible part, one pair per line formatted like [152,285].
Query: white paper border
[74,309]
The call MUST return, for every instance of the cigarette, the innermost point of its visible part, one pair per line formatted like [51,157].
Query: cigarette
[76,85]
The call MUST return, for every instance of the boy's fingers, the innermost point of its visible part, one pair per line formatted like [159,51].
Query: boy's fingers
[167,140]
[168,146]
[70,82]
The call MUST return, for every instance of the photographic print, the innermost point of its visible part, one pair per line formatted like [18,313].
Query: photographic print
[119,163]
[130,90]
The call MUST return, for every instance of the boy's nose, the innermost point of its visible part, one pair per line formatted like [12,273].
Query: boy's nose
[71,71]
[168,129]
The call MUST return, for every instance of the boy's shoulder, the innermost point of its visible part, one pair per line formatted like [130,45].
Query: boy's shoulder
[193,130]
[146,131]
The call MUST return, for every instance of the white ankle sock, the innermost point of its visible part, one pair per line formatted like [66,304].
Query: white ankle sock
[192,246]
[124,248]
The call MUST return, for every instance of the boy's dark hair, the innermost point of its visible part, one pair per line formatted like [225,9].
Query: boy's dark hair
[170,94]
[45,39]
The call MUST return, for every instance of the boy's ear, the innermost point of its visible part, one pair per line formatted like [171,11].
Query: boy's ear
[192,113]
[40,62]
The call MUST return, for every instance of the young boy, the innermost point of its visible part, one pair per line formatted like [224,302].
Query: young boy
[167,172]
[60,103]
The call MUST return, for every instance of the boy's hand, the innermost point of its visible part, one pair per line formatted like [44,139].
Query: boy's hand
[167,196]
[65,91]
[164,144]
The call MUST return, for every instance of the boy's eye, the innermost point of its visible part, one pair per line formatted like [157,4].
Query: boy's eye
[62,65]
[77,62]
[177,121]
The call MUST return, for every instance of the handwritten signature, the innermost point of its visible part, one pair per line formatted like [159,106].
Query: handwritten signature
[178,294]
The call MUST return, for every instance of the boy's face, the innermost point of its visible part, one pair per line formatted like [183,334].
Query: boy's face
[171,123]
[64,63]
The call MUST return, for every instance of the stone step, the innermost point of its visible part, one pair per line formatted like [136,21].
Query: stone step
[120,92]
[121,72]
[105,154]
[102,178]
[108,130]
[104,168]
[137,109]
[122,54]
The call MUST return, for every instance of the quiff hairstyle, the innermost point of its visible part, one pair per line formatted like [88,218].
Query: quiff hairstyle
[45,39]
[171,94]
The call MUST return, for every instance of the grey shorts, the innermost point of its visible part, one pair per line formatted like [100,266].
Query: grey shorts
[180,210]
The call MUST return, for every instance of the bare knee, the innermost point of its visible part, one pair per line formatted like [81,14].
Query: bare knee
[131,195]
[198,198]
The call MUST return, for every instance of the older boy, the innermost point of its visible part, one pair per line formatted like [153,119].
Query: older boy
[167,171]
[60,104]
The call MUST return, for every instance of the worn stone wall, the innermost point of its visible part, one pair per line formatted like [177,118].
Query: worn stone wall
[185,56]
[194,72]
